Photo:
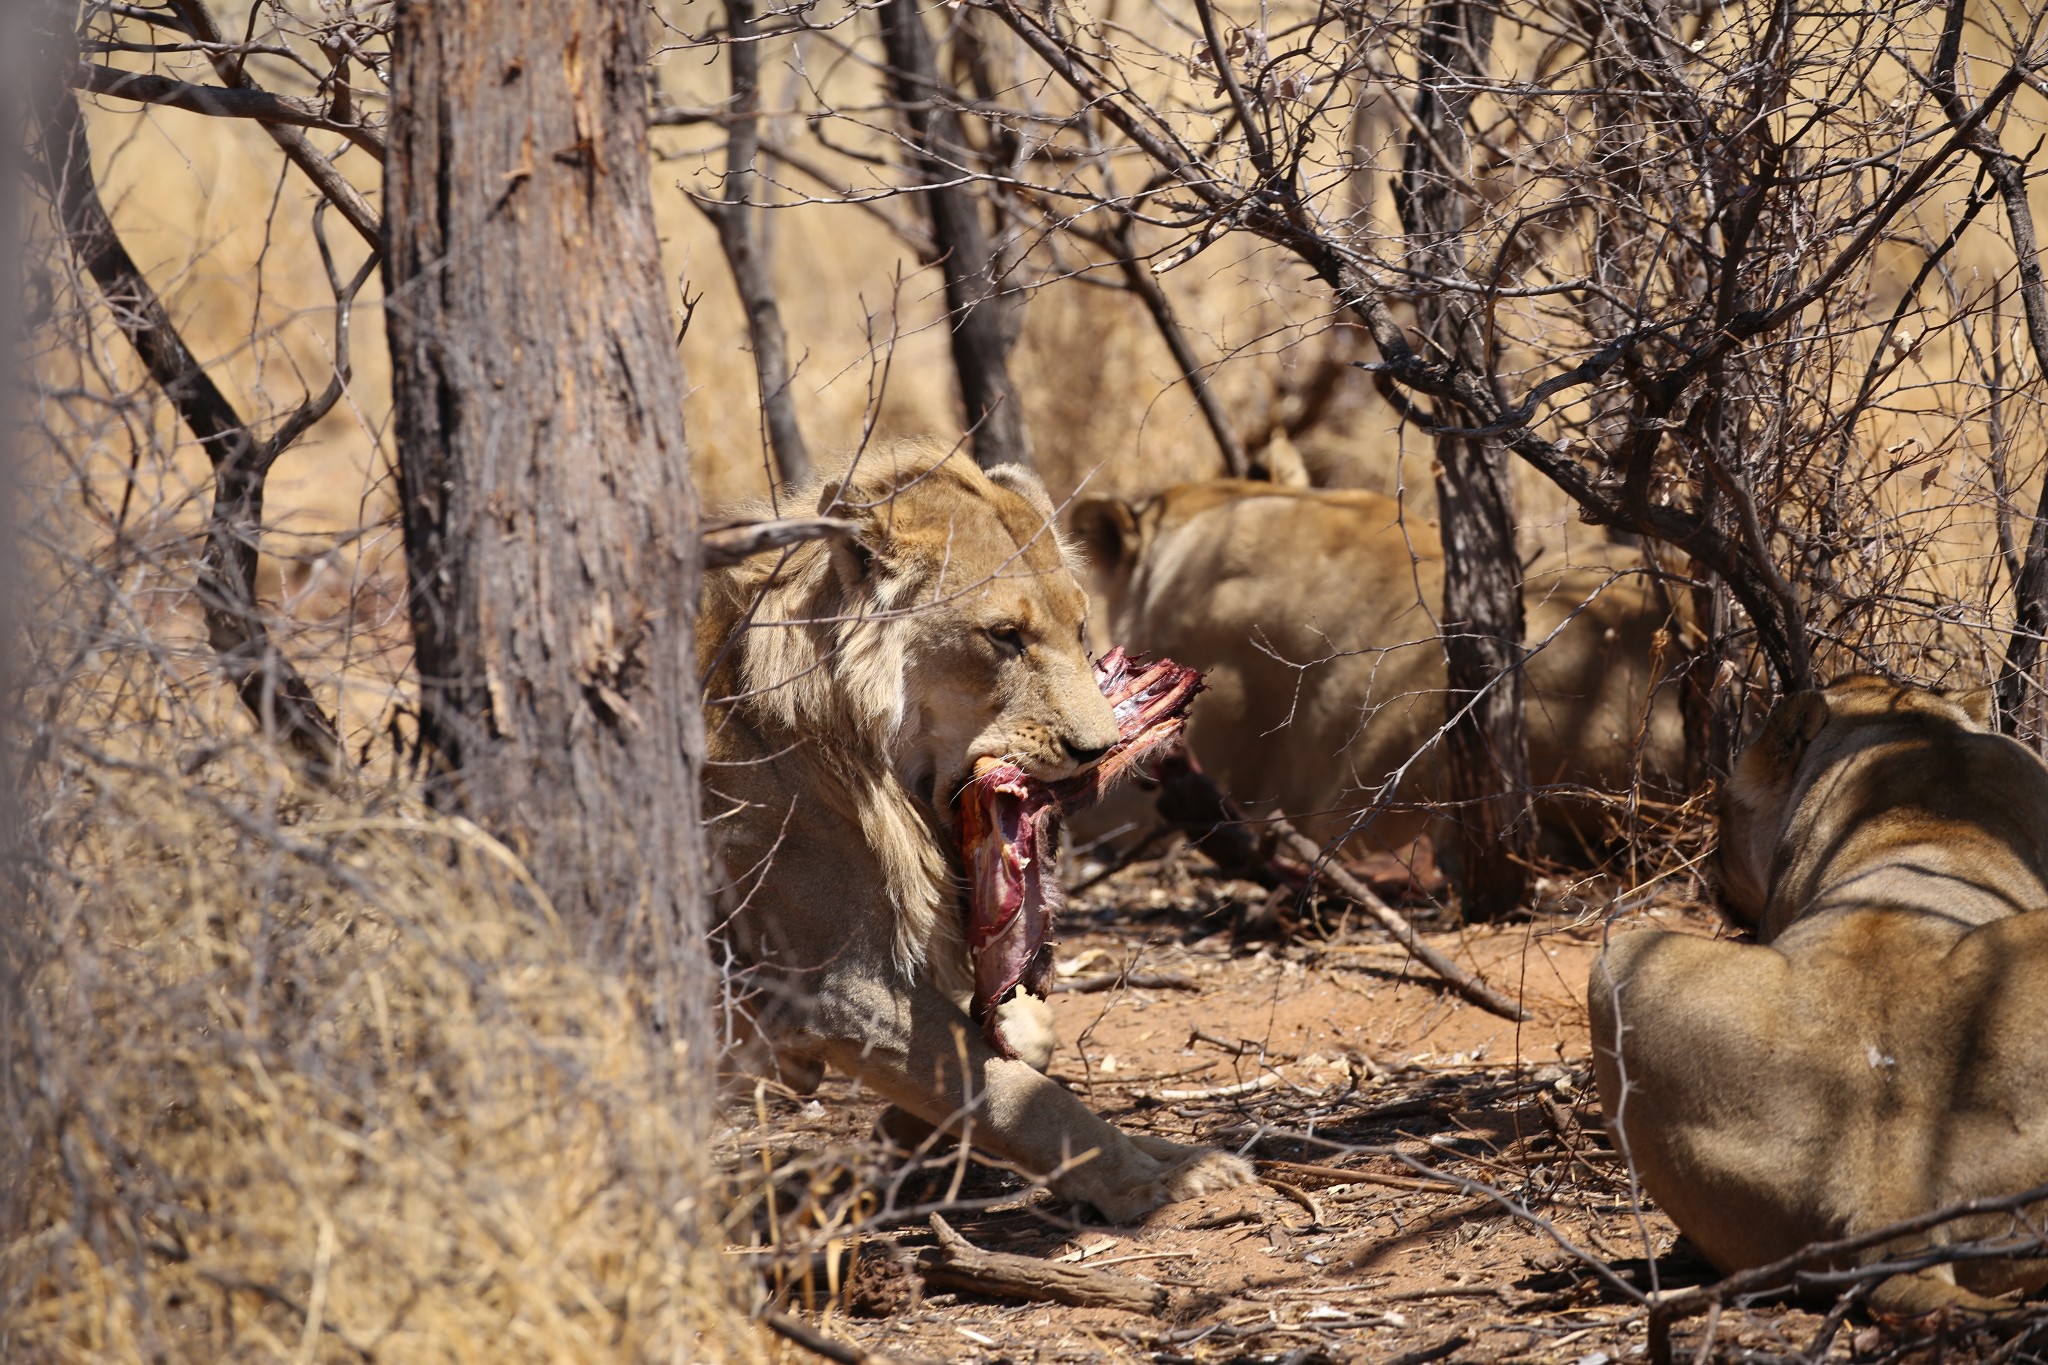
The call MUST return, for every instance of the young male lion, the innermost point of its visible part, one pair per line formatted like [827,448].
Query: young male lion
[853,688]
[1878,1053]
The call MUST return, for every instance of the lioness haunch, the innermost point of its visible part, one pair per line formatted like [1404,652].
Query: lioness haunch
[1878,1053]
[1009,827]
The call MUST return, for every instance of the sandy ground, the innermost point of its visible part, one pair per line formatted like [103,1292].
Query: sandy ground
[1357,1084]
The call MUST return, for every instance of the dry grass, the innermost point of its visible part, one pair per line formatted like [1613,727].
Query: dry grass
[326,1081]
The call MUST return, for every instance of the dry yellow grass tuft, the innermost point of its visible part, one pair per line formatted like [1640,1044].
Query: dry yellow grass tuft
[327,1083]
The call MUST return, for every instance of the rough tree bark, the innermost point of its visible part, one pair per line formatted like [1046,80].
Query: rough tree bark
[1486,750]
[984,322]
[550,526]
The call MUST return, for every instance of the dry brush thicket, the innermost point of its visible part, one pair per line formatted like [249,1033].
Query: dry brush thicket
[306,1071]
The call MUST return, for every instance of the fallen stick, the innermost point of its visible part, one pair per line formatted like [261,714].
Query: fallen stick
[1190,799]
[1338,1175]
[1454,976]
[1225,1092]
[1299,1196]
[956,1263]
[1137,981]
[818,1344]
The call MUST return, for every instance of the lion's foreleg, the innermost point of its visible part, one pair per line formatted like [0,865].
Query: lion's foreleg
[926,1056]
[1026,1023]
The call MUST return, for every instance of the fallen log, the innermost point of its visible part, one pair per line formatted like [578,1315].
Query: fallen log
[956,1263]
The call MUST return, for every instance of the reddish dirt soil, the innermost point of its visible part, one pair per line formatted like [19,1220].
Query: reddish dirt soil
[1354,1081]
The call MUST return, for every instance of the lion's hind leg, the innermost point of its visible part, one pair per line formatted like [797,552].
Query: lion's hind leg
[1703,1079]
[1931,1291]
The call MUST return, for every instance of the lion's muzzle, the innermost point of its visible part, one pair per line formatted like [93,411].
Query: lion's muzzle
[1008,827]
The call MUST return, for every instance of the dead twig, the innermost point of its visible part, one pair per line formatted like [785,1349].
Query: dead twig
[1457,978]
[1338,1175]
[295,144]
[817,1343]
[148,88]
[1226,1092]
[731,542]
[1301,1197]
[1137,981]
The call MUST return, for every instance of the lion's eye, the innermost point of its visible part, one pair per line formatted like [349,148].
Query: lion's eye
[1009,639]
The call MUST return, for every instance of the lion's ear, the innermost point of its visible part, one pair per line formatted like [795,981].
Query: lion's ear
[1980,704]
[1792,725]
[1025,485]
[853,557]
[1107,530]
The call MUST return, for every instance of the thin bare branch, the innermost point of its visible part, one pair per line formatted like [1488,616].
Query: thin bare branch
[269,686]
[147,88]
[296,145]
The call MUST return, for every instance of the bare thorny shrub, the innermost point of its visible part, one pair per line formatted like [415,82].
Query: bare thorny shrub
[1743,278]
[1756,284]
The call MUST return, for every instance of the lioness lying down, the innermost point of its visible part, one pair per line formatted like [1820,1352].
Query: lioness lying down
[855,688]
[1879,1052]
[1312,614]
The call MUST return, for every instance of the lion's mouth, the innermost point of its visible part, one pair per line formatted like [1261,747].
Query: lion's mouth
[1008,826]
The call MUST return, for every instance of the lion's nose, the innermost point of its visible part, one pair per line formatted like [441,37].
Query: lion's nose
[1080,755]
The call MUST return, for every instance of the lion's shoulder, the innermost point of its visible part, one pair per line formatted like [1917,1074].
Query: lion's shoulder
[1873,792]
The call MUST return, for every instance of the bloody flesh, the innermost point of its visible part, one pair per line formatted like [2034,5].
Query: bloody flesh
[1009,825]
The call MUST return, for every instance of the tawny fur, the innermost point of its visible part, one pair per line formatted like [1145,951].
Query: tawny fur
[1313,615]
[1877,1054]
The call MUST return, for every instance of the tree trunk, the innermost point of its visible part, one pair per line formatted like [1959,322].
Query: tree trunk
[746,251]
[550,526]
[1486,749]
[982,320]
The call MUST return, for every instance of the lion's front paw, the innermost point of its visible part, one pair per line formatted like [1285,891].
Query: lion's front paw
[1026,1024]
[1161,1172]
[1204,1171]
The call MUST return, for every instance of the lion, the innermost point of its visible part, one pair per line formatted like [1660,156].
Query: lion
[1877,1053]
[853,688]
[1313,615]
